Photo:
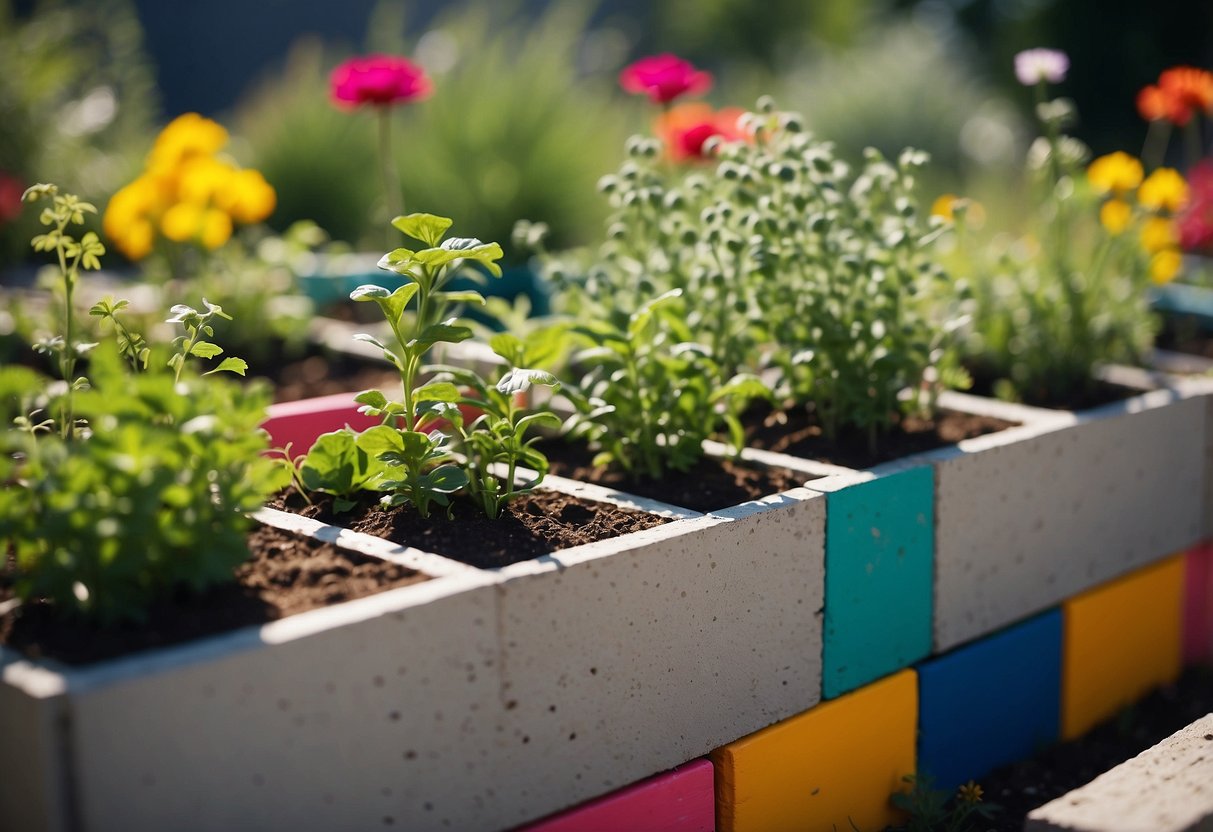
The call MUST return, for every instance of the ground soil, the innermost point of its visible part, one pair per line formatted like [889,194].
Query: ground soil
[798,433]
[1023,786]
[323,374]
[710,485]
[285,574]
[1095,394]
[532,525]
[1186,335]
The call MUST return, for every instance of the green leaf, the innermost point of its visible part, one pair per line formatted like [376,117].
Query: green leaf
[520,379]
[462,248]
[372,398]
[464,296]
[380,439]
[445,479]
[447,332]
[743,387]
[641,318]
[508,346]
[427,228]
[230,365]
[535,420]
[205,349]
[437,391]
[392,303]
[334,464]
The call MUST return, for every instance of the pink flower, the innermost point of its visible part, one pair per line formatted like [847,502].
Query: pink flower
[380,80]
[1194,224]
[663,78]
[1035,65]
[686,128]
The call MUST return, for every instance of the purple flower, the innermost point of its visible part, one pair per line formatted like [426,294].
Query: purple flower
[1035,65]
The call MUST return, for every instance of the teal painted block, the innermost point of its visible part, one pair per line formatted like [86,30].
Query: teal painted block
[880,546]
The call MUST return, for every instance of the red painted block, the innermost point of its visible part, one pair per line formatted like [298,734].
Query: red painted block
[299,423]
[1198,605]
[682,800]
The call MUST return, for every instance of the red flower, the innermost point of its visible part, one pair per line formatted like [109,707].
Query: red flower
[11,189]
[380,80]
[663,78]
[686,128]
[1182,92]
[1194,224]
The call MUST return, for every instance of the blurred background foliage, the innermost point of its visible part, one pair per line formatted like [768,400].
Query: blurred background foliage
[526,112]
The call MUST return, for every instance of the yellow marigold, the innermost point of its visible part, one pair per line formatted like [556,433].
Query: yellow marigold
[1158,233]
[186,136]
[1163,190]
[203,179]
[1116,173]
[216,229]
[1115,215]
[1164,265]
[182,222]
[128,217]
[248,198]
[949,205]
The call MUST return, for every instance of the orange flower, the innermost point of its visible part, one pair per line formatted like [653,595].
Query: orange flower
[1182,92]
[686,128]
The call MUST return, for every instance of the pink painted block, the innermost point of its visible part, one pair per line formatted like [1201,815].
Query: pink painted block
[682,800]
[299,423]
[1198,605]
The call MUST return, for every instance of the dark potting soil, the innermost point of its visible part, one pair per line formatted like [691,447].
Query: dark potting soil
[326,374]
[1020,787]
[797,433]
[285,574]
[532,525]
[1186,335]
[710,485]
[1095,394]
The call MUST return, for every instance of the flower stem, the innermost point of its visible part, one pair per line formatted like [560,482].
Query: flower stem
[387,162]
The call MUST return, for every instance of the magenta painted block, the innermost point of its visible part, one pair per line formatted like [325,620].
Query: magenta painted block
[1198,605]
[682,800]
[299,423]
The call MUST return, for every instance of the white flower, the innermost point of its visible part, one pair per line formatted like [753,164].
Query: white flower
[1035,65]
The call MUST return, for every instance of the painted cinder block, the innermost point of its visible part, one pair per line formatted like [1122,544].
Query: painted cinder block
[990,702]
[299,423]
[1120,641]
[1198,605]
[1031,516]
[624,660]
[878,590]
[683,800]
[833,767]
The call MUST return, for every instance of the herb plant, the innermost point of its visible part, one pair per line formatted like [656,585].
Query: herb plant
[935,810]
[427,446]
[134,483]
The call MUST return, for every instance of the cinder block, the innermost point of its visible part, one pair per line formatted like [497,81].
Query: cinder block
[34,781]
[627,657]
[879,562]
[1163,789]
[682,800]
[1198,605]
[990,702]
[833,767]
[299,423]
[1121,640]
[1035,515]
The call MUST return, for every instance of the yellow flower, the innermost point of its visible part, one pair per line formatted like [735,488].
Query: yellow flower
[1115,215]
[182,222]
[1158,233]
[248,198]
[203,179]
[128,217]
[184,137]
[1163,190]
[942,206]
[216,229]
[969,793]
[1165,265]
[1117,173]
[949,206]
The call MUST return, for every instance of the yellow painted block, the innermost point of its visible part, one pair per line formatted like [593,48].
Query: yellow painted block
[1122,640]
[826,769]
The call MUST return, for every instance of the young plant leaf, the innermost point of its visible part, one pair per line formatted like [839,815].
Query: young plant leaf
[427,228]
[231,364]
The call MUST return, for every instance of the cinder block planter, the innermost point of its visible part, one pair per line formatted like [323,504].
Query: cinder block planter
[833,767]
[683,800]
[1121,640]
[1030,516]
[476,700]
[990,702]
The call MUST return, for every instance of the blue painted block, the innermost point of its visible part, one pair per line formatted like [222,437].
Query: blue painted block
[880,548]
[991,702]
